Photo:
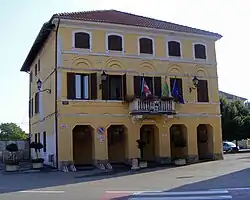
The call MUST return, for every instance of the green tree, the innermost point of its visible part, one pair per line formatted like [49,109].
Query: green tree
[235,120]
[11,131]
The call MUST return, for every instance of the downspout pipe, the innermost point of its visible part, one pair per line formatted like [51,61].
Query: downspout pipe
[29,115]
[56,107]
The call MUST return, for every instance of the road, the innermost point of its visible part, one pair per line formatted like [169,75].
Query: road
[227,179]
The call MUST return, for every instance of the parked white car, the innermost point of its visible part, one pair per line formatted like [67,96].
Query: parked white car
[230,147]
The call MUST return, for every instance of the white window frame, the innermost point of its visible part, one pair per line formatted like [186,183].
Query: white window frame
[193,44]
[80,89]
[73,40]
[170,39]
[138,46]
[107,43]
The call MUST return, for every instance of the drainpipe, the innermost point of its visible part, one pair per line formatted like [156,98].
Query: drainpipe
[56,111]
[29,115]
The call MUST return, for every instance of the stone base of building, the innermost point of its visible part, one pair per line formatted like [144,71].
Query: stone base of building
[163,160]
[192,159]
[218,156]
[67,165]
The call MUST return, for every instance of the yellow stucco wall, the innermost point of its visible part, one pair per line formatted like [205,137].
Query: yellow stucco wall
[101,113]
[44,120]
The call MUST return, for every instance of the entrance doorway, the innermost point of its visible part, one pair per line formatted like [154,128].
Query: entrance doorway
[117,143]
[83,145]
[205,141]
[148,137]
[178,141]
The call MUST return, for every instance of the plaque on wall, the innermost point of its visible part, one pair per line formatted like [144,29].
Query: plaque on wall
[65,103]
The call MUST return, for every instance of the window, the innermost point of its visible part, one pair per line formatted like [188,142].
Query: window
[179,85]
[114,88]
[154,84]
[174,48]
[38,66]
[31,107]
[146,45]
[82,40]
[31,76]
[81,86]
[202,91]
[115,43]
[35,69]
[37,103]
[44,141]
[200,51]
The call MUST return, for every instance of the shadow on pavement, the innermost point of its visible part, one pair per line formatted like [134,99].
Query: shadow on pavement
[239,179]
[14,182]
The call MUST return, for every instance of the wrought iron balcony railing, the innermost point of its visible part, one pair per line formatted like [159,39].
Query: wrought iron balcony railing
[152,107]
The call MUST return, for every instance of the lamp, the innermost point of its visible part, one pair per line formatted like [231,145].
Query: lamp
[103,78]
[195,81]
[39,86]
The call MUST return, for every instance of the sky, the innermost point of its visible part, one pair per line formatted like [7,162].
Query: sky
[20,22]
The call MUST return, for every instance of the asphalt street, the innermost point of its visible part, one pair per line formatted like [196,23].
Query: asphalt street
[227,179]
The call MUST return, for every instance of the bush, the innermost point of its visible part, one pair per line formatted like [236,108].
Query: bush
[13,158]
[12,147]
[37,160]
[36,145]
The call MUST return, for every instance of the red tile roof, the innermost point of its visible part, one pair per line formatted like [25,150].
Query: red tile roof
[123,18]
[112,17]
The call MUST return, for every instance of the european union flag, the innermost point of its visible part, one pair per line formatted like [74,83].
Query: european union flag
[176,93]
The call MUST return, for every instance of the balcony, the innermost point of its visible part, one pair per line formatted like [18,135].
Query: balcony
[153,107]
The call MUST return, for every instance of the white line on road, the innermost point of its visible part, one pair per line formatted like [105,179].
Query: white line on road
[230,189]
[127,191]
[186,198]
[43,191]
[182,193]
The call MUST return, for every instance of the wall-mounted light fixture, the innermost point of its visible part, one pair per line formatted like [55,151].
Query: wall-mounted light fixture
[103,78]
[39,86]
[195,83]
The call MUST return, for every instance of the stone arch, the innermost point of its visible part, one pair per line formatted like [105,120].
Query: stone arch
[175,70]
[82,63]
[83,144]
[114,64]
[205,141]
[178,141]
[117,138]
[147,67]
[200,71]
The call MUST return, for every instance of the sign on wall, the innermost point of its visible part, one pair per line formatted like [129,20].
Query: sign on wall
[101,134]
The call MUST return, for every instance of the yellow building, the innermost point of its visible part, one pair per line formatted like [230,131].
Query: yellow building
[88,101]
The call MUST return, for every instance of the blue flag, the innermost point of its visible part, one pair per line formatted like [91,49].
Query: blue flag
[177,93]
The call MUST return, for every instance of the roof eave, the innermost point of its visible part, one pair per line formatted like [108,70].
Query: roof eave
[37,45]
[210,35]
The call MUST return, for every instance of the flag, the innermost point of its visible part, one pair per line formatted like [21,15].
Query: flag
[177,93]
[165,91]
[144,88]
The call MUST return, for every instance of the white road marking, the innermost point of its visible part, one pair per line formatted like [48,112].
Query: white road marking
[186,198]
[230,189]
[182,193]
[43,191]
[221,194]
[127,191]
